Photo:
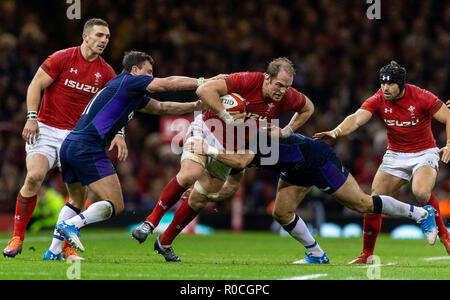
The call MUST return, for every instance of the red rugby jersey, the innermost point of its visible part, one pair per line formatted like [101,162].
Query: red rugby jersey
[260,110]
[408,120]
[76,81]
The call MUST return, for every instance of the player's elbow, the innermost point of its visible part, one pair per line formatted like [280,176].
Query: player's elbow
[309,107]
[310,110]
[200,92]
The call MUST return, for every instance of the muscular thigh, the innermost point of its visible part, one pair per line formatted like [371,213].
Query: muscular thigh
[288,198]
[386,184]
[191,169]
[37,163]
[423,183]
[351,196]
[108,188]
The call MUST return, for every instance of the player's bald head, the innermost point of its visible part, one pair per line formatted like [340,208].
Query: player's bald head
[89,25]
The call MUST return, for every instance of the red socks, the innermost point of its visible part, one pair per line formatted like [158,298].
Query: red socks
[439,222]
[372,226]
[183,216]
[169,196]
[24,209]
[371,229]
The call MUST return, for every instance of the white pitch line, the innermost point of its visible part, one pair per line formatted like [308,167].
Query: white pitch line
[377,265]
[437,258]
[305,277]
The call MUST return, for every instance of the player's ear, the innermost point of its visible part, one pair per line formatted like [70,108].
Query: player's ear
[134,70]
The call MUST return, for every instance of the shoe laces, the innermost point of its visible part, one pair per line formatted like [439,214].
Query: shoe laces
[147,227]
[169,252]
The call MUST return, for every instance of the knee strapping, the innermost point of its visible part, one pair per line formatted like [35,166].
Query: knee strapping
[199,188]
[193,157]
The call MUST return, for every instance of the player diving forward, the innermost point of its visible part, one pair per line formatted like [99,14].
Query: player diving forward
[303,163]
[83,155]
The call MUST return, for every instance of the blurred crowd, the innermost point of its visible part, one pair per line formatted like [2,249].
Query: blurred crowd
[336,48]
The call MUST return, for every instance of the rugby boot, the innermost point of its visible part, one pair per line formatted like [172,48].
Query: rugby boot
[71,234]
[13,247]
[428,225]
[141,232]
[364,259]
[49,255]
[70,253]
[166,251]
[309,259]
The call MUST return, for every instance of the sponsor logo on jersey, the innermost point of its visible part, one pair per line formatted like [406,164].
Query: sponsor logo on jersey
[254,116]
[401,124]
[81,86]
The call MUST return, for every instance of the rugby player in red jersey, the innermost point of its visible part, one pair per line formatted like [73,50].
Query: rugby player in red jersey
[69,79]
[412,154]
[266,95]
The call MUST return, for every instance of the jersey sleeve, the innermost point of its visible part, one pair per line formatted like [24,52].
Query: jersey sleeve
[295,101]
[371,104]
[144,103]
[432,102]
[239,82]
[139,83]
[110,73]
[54,64]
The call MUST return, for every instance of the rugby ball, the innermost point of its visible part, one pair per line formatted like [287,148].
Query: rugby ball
[233,103]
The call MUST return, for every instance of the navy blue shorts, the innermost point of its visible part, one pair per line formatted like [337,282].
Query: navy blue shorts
[329,176]
[84,162]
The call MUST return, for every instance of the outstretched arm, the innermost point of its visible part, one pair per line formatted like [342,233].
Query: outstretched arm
[236,160]
[156,107]
[173,83]
[180,83]
[350,124]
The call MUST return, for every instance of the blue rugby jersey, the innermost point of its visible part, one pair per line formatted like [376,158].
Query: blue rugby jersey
[307,162]
[296,152]
[112,108]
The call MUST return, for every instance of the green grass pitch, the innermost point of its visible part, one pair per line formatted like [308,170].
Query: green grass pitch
[114,255]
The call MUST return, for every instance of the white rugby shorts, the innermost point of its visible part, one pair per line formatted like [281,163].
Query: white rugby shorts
[48,144]
[404,165]
[199,130]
